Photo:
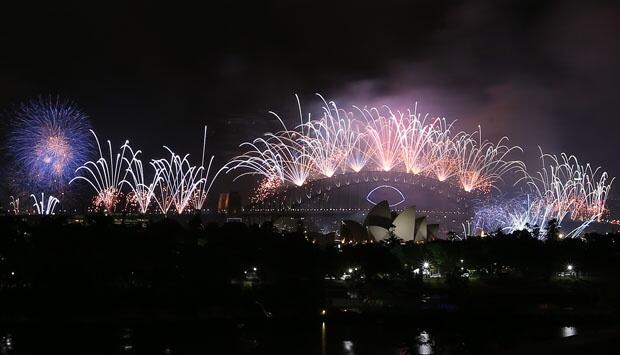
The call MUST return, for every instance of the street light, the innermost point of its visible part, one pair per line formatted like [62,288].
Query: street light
[426,265]
[569,267]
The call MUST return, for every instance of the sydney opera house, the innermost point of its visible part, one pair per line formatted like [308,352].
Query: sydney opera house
[381,223]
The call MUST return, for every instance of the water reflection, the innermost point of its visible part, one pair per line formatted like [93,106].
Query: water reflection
[6,344]
[323,339]
[270,338]
[566,332]
[347,346]
[425,343]
[127,339]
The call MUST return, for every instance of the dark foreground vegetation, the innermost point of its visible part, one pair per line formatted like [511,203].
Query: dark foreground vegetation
[99,270]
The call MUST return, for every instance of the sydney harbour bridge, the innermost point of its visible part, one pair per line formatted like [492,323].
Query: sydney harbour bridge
[351,195]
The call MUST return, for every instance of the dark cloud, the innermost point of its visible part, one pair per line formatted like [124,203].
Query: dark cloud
[542,75]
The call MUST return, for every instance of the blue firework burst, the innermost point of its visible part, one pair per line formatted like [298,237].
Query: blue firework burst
[48,139]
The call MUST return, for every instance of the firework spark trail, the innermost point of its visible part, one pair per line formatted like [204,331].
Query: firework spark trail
[164,193]
[481,164]
[206,182]
[43,207]
[326,139]
[104,176]
[14,205]
[141,193]
[592,193]
[391,139]
[383,137]
[358,150]
[415,139]
[48,139]
[279,155]
[282,155]
[564,187]
[178,182]
[443,153]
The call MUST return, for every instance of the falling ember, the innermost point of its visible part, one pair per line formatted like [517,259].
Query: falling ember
[266,188]
[107,199]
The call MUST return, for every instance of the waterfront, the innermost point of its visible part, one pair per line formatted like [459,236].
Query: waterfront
[312,337]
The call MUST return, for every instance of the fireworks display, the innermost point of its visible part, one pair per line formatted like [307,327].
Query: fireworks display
[480,163]
[48,144]
[43,206]
[178,181]
[563,189]
[566,188]
[174,182]
[206,181]
[266,188]
[141,194]
[105,175]
[48,139]
[376,139]
[14,205]
[381,139]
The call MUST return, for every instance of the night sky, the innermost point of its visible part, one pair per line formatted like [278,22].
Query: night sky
[542,73]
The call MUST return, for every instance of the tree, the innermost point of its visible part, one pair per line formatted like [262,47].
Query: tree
[392,239]
[553,229]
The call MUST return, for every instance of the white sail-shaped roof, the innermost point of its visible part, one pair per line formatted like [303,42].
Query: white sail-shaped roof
[404,224]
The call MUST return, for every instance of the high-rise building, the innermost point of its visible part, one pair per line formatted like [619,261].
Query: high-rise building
[229,203]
